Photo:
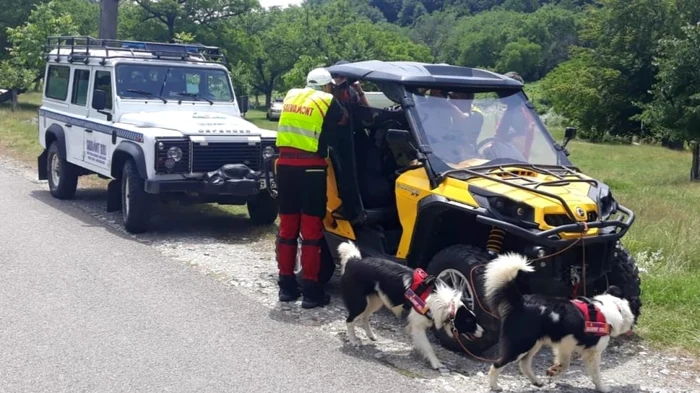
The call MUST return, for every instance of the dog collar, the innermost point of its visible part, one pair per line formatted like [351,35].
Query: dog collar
[417,294]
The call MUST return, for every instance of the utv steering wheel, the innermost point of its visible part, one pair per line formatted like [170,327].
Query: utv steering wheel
[481,144]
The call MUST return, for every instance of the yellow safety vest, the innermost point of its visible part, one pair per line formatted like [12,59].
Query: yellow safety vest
[303,111]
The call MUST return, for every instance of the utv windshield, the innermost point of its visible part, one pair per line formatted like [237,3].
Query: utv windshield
[467,129]
[173,83]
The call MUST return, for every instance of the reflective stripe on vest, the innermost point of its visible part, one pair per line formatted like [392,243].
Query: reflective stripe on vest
[303,111]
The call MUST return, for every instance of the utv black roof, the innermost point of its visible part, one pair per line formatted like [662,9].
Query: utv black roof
[414,73]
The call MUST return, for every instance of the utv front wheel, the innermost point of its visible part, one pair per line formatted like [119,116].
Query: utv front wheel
[63,176]
[462,267]
[262,209]
[136,203]
[625,275]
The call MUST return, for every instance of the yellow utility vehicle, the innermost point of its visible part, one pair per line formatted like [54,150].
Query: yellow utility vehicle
[461,169]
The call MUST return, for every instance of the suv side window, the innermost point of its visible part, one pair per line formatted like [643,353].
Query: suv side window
[57,82]
[103,81]
[81,80]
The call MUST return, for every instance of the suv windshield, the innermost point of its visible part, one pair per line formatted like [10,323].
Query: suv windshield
[467,129]
[173,82]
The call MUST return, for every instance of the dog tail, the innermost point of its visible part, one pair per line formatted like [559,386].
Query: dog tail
[501,290]
[348,252]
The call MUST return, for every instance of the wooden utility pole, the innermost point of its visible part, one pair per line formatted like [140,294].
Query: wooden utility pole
[109,15]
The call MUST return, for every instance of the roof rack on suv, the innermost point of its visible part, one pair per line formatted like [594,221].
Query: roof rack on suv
[84,48]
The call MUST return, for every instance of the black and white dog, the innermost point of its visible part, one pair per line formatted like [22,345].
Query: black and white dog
[367,284]
[529,321]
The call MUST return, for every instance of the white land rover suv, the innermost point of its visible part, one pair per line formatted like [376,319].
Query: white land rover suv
[161,120]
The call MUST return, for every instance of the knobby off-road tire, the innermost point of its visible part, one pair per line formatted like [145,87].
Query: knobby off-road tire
[136,202]
[63,176]
[262,209]
[625,275]
[453,265]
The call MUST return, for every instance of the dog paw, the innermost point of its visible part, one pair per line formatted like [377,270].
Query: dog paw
[538,383]
[554,370]
[496,388]
[354,343]
[443,370]
[603,389]
[372,337]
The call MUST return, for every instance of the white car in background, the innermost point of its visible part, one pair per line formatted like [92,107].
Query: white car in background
[275,109]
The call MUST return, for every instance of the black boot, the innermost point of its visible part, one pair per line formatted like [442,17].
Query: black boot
[314,295]
[289,289]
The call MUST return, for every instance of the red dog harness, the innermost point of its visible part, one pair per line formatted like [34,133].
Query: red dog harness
[594,319]
[419,291]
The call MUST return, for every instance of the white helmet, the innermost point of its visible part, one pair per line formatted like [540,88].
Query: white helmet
[318,77]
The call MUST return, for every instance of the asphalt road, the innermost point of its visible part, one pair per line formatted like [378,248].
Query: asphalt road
[83,308]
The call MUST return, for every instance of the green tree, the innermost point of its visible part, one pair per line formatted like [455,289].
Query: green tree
[521,56]
[615,62]
[15,78]
[28,40]
[675,109]
[14,13]
[199,12]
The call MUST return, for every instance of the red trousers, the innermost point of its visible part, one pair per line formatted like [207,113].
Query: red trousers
[301,187]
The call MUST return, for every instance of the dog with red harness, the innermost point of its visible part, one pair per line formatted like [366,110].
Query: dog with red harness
[368,284]
[528,322]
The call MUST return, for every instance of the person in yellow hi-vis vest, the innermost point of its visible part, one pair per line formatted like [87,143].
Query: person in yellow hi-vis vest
[305,127]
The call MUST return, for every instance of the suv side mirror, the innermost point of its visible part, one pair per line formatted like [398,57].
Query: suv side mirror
[99,102]
[99,99]
[569,134]
[243,103]
[394,135]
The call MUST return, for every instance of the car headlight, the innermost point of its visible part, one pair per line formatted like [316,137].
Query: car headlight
[175,153]
[268,152]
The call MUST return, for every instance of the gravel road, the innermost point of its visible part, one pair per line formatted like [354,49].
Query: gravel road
[226,249]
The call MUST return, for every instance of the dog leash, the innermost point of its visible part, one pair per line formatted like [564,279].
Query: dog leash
[471,282]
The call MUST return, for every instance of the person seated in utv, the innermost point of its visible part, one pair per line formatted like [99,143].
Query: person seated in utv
[513,133]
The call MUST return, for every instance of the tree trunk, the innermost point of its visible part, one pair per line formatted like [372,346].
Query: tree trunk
[695,166]
[14,100]
[268,97]
[171,29]
[109,16]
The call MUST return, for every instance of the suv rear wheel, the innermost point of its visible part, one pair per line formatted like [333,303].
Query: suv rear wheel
[63,176]
[462,267]
[136,203]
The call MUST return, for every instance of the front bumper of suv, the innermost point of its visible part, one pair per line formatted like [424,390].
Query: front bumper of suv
[233,187]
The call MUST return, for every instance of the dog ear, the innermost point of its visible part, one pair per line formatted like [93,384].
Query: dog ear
[614,291]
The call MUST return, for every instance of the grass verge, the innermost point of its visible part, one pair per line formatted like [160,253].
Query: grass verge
[650,180]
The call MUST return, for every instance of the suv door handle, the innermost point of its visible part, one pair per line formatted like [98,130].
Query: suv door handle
[88,130]
[68,125]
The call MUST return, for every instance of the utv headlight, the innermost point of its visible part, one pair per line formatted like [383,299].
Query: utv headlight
[175,153]
[511,209]
[268,152]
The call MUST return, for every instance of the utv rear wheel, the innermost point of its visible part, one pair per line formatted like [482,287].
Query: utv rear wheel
[136,203]
[262,209]
[463,267]
[62,175]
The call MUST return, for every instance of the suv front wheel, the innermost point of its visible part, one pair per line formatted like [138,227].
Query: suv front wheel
[262,209]
[136,203]
[63,176]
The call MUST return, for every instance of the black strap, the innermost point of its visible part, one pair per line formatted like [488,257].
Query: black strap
[425,285]
[592,312]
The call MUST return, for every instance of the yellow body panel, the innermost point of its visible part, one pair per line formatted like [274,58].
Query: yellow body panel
[413,185]
[338,227]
